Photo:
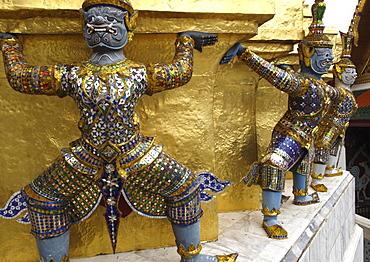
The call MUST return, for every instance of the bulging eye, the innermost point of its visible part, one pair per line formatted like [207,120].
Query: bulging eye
[90,19]
[111,19]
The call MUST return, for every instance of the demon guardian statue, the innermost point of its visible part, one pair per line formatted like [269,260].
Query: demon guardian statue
[293,135]
[332,128]
[111,157]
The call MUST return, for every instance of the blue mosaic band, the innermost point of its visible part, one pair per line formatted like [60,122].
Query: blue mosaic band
[272,178]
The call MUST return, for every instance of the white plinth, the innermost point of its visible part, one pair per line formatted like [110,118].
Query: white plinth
[321,232]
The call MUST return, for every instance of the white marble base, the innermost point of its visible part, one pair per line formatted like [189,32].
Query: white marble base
[320,232]
[355,249]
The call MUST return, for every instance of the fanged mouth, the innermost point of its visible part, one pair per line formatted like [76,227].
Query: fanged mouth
[101,28]
[327,63]
[350,78]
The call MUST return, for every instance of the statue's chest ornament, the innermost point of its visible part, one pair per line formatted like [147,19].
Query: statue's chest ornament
[311,104]
[111,83]
[103,88]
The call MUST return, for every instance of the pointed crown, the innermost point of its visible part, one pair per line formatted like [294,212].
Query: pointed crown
[316,37]
[347,41]
[345,61]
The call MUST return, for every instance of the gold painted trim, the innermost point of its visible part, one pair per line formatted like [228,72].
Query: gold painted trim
[246,54]
[135,161]
[320,188]
[191,252]
[300,192]
[275,231]
[118,145]
[353,28]
[315,199]
[227,258]
[329,167]
[339,173]
[9,40]
[317,176]
[32,194]
[274,212]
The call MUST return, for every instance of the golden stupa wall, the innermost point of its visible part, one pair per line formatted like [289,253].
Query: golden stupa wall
[221,121]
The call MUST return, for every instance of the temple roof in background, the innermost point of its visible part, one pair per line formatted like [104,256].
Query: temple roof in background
[361,54]
[362,117]
[363,101]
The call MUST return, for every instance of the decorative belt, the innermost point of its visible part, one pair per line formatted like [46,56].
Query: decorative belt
[296,129]
[102,150]
[95,156]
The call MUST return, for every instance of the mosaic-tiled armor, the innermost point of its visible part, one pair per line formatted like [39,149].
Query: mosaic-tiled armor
[309,100]
[291,143]
[333,126]
[112,157]
[111,153]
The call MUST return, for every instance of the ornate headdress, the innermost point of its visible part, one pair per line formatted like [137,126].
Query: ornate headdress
[130,19]
[347,40]
[345,61]
[316,37]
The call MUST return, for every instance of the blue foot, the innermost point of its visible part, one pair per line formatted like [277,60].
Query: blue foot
[206,258]
[306,200]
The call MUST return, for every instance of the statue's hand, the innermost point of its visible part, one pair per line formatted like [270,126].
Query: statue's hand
[284,66]
[235,50]
[6,36]
[201,39]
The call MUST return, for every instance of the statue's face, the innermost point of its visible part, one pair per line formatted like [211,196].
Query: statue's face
[322,60]
[105,26]
[349,76]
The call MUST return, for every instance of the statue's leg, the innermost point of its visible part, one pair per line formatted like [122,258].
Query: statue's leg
[54,249]
[320,161]
[181,190]
[301,173]
[49,205]
[272,181]
[176,193]
[283,152]
[300,191]
[331,168]
[318,176]
[184,213]
[188,245]
[271,208]
[332,161]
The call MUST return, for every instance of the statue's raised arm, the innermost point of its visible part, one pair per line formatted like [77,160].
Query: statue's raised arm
[21,76]
[287,81]
[162,76]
